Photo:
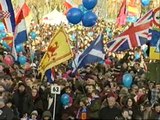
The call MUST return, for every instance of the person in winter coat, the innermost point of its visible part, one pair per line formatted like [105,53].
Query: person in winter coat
[22,99]
[95,105]
[110,112]
[37,102]
[5,112]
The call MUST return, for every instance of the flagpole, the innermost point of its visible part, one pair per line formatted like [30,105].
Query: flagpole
[80,77]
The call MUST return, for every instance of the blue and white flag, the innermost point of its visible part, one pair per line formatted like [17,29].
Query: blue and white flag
[94,53]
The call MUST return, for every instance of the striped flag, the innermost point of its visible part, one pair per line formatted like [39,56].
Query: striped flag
[21,30]
[9,21]
[20,34]
[133,11]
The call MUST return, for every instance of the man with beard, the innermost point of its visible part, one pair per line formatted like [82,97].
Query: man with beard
[22,99]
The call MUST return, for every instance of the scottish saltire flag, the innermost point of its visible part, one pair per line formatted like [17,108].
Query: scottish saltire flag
[50,75]
[94,53]
[136,35]
[8,14]
[154,52]
[21,29]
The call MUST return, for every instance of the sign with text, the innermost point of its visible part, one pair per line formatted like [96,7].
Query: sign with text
[55,89]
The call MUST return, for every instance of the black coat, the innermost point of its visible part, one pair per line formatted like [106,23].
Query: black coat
[38,105]
[107,113]
[6,113]
[23,101]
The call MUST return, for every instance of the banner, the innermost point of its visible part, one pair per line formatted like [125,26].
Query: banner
[57,52]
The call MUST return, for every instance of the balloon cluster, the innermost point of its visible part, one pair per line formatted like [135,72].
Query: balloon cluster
[83,13]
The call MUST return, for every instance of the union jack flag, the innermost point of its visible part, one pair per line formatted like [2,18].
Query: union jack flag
[136,35]
[4,14]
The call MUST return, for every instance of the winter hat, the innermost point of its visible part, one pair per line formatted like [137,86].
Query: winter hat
[34,113]
[46,114]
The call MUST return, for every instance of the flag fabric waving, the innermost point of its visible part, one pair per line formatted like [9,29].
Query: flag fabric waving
[154,52]
[94,53]
[9,39]
[69,4]
[9,18]
[57,52]
[133,11]
[21,30]
[20,34]
[50,73]
[121,19]
[136,35]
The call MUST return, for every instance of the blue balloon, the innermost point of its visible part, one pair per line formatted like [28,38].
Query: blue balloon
[137,56]
[82,8]
[131,19]
[65,99]
[6,45]
[74,15]
[3,34]
[22,60]
[33,35]
[89,4]
[145,2]
[2,27]
[19,48]
[89,19]
[127,80]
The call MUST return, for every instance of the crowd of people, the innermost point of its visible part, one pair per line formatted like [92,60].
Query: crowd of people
[96,91]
